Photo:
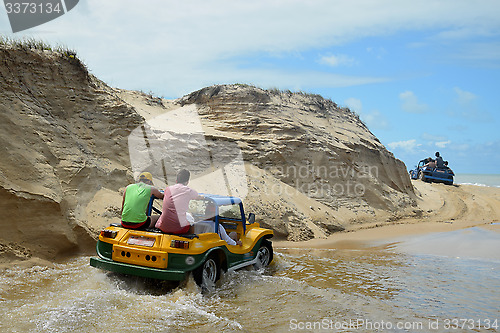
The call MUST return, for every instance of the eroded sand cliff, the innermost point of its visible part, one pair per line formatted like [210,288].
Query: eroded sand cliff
[310,167]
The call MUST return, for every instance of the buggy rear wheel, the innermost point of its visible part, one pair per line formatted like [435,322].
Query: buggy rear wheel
[208,273]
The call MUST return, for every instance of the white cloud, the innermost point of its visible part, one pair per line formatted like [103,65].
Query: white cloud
[464,98]
[432,137]
[409,146]
[442,144]
[410,103]
[183,45]
[485,53]
[463,157]
[373,119]
[468,107]
[337,60]
[378,52]
[354,104]
[435,140]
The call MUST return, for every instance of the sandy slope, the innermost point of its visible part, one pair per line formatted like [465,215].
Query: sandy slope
[443,208]
[303,159]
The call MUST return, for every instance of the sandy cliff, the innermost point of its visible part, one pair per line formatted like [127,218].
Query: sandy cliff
[310,168]
[443,208]
[314,148]
[63,136]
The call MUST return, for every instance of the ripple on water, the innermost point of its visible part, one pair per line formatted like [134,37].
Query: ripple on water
[300,285]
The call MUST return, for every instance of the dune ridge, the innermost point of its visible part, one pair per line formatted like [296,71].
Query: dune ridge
[65,158]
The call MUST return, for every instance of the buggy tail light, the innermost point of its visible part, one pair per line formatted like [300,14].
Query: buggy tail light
[179,244]
[109,233]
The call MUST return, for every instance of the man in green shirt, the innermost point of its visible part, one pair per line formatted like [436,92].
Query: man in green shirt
[135,202]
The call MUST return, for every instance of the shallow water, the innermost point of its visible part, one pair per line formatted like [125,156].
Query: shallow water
[492,180]
[475,242]
[379,289]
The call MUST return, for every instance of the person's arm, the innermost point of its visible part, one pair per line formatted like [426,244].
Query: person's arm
[224,236]
[196,196]
[156,193]
[123,201]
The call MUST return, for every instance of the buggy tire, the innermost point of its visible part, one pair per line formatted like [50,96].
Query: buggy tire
[422,177]
[264,255]
[208,273]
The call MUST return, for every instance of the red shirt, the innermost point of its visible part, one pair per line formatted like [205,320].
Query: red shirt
[175,206]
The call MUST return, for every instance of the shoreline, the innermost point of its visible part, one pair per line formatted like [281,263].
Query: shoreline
[444,208]
[484,180]
[440,208]
[369,237]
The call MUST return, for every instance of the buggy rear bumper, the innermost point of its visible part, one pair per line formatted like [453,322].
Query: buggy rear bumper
[148,272]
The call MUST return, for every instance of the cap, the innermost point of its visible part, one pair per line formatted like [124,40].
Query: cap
[145,176]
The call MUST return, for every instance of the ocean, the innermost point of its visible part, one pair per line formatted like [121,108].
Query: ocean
[492,180]
[439,282]
[418,285]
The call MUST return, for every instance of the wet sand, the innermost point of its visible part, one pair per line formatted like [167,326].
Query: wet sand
[443,209]
[374,237]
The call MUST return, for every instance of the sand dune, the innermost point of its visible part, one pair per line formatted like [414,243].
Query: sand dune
[309,168]
[442,208]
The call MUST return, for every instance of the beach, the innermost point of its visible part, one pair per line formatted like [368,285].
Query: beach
[443,208]
[435,273]
[357,244]
[306,117]
[430,273]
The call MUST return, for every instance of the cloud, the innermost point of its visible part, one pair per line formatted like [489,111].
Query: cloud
[442,144]
[479,157]
[464,98]
[354,104]
[467,106]
[373,119]
[433,140]
[378,52]
[184,45]
[225,28]
[409,146]
[486,54]
[432,137]
[458,128]
[337,60]
[410,103]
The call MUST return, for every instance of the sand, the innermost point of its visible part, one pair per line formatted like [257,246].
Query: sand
[444,208]
[301,158]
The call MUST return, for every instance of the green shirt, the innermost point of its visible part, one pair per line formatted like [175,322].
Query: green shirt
[136,202]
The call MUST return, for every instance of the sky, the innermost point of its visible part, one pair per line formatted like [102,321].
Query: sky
[424,75]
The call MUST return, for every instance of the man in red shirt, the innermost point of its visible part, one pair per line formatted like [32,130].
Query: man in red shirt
[175,205]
